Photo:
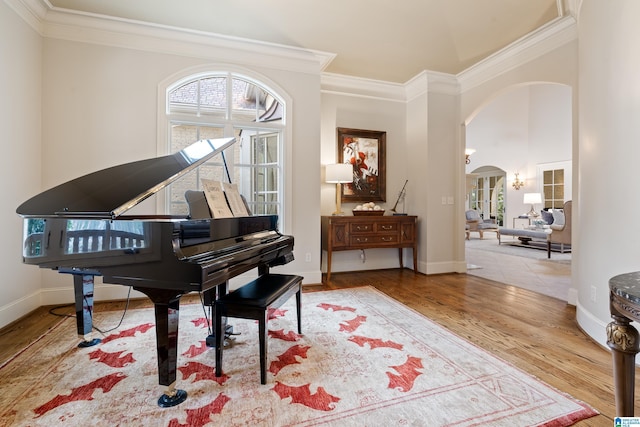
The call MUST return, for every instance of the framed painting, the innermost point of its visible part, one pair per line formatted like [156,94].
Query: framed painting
[365,151]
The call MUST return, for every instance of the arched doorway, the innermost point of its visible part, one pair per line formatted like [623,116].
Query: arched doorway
[487,192]
[527,130]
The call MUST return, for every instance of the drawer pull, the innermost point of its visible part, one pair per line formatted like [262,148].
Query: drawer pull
[387,227]
[387,239]
[361,228]
[362,240]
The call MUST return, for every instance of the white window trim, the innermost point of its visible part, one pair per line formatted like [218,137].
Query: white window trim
[568,174]
[286,178]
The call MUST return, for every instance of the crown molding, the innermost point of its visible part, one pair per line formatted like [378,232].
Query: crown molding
[535,44]
[65,24]
[341,84]
[130,34]
[70,25]
[423,83]
[32,12]
[432,82]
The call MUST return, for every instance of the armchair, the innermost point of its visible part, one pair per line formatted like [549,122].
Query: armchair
[476,223]
[562,232]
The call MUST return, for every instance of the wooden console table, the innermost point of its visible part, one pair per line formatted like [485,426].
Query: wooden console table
[622,338]
[347,233]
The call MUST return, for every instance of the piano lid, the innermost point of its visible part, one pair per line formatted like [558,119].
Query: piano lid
[110,192]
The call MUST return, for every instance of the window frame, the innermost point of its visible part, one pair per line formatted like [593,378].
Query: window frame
[567,185]
[165,120]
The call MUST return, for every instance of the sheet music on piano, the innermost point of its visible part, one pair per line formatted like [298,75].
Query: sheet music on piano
[216,199]
[238,208]
[224,199]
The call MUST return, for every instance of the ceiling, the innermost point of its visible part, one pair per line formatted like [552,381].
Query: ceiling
[377,39]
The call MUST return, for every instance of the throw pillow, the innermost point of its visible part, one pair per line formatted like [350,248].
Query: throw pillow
[558,217]
[547,217]
[472,215]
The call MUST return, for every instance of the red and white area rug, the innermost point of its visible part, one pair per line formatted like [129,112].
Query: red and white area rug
[363,360]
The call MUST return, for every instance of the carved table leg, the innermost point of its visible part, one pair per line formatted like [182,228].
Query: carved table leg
[622,339]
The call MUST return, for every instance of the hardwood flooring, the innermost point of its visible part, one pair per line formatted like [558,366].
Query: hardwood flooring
[536,333]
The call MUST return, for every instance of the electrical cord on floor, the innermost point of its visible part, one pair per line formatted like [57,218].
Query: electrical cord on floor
[206,316]
[126,307]
[103,332]
[58,307]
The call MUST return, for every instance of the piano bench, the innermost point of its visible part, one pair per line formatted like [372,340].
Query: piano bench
[253,301]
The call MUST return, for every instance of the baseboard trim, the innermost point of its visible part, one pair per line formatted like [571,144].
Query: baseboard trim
[446,267]
[591,325]
[63,295]
[16,309]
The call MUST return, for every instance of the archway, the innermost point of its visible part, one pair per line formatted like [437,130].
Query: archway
[524,129]
[487,193]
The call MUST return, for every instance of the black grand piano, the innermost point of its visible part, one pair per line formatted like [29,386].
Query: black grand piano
[80,228]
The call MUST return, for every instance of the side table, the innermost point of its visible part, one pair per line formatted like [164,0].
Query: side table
[346,233]
[622,338]
[521,218]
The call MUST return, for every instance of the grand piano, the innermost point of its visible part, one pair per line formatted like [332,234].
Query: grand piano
[81,228]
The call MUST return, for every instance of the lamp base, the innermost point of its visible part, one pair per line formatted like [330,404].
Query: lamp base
[338,211]
[532,213]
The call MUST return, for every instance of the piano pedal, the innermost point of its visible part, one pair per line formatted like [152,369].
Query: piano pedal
[229,341]
[89,343]
[211,339]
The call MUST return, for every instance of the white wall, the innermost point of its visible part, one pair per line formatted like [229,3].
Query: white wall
[609,150]
[420,119]
[20,163]
[99,108]
[417,199]
[440,175]
[357,112]
[99,104]
[521,129]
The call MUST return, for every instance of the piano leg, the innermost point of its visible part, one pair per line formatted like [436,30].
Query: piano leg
[83,290]
[167,309]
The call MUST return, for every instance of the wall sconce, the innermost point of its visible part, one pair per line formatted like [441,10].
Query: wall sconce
[468,152]
[340,173]
[517,183]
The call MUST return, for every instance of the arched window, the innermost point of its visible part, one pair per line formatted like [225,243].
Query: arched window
[221,105]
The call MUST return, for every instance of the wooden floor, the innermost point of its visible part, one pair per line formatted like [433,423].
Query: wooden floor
[536,333]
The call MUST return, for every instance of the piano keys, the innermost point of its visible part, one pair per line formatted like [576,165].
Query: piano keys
[80,228]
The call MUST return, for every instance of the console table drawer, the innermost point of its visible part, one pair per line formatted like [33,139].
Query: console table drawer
[373,227]
[362,227]
[374,239]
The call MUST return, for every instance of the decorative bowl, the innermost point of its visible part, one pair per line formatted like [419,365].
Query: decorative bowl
[368,213]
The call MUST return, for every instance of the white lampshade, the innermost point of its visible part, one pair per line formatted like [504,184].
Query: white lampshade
[532,198]
[339,173]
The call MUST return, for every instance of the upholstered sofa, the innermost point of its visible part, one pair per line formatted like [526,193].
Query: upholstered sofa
[556,233]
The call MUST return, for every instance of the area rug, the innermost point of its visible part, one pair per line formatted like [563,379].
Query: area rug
[363,360]
[510,246]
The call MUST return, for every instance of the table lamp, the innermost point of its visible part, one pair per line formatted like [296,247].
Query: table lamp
[339,174]
[532,199]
